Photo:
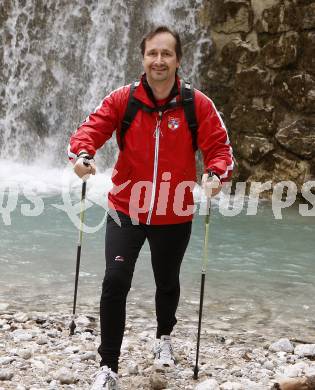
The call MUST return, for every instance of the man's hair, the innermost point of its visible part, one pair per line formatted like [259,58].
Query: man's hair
[159,30]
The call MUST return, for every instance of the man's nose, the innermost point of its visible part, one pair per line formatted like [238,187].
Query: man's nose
[159,58]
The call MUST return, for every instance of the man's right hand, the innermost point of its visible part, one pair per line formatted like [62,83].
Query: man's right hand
[84,166]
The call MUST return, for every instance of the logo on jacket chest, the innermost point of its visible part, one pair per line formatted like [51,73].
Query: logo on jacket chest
[173,123]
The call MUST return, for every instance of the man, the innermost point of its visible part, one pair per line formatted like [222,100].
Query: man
[152,195]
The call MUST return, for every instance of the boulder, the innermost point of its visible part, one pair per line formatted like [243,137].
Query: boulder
[297,90]
[231,16]
[217,86]
[252,120]
[238,51]
[282,345]
[281,51]
[252,149]
[307,350]
[308,17]
[253,82]
[298,138]
[281,167]
[307,56]
[282,17]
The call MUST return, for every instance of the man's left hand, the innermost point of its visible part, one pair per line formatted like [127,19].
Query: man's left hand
[211,185]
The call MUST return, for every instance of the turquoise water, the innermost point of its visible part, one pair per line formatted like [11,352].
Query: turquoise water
[260,274]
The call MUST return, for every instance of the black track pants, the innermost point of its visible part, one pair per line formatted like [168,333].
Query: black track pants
[168,244]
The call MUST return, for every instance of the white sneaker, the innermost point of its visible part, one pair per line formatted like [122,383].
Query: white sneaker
[163,352]
[105,379]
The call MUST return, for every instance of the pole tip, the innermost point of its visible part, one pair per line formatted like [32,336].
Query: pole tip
[196,370]
[72,328]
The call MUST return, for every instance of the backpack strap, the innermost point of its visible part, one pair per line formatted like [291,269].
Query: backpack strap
[130,113]
[188,101]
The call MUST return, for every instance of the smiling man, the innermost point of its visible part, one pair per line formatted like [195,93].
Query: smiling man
[160,122]
[160,63]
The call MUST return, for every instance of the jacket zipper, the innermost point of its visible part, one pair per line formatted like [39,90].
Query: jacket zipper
[157,133]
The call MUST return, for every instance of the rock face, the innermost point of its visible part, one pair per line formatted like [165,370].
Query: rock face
[298,138]
[262,77]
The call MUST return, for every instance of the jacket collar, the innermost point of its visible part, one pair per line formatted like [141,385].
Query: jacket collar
[144,92]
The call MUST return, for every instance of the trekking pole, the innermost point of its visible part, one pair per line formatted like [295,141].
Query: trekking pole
[203,275]
[72,324]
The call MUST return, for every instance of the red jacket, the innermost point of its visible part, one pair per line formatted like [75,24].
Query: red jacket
[155,173]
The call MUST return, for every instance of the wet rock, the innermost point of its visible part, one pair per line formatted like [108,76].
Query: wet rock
[238,51]
[252,149]
[253,81]
[290,169]
[307,350]
[209,384]
[296,90]
[284,16]
[231,16]
[307,56]
[308,17]
[282,345]
[298,138]
[157,382]
[251,119]
[281,51]
[6,374]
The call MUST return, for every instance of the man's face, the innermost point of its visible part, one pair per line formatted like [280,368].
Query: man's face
[159,60]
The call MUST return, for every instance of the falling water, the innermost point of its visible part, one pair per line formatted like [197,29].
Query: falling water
[61,58]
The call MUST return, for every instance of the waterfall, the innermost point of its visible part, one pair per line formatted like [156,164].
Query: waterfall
[61,58]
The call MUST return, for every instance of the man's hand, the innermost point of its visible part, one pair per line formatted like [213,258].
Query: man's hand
[211,185]
[84,166]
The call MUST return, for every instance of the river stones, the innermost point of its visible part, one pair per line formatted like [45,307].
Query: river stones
[40,354]
[282,345]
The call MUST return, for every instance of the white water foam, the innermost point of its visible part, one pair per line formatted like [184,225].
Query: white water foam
[44,180]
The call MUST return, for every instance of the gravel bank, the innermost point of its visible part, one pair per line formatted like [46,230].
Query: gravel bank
[36,352]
